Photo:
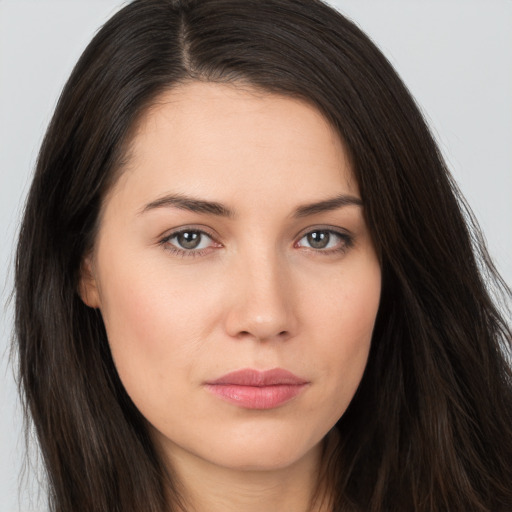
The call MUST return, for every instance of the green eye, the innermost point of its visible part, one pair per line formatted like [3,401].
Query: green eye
[318,239]
[190,240]
[325,240]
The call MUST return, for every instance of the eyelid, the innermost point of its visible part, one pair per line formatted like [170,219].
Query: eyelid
[164,240]
[346,236]
[324,227]
[169,233]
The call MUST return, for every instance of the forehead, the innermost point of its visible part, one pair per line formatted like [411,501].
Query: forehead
[219,140]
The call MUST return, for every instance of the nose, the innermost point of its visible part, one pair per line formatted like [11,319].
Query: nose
[263,305]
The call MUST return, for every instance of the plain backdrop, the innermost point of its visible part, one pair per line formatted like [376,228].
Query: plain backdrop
[455,57]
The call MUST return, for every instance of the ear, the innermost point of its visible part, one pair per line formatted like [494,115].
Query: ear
[87,286]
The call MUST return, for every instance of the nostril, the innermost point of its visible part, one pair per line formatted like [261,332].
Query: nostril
[263,336]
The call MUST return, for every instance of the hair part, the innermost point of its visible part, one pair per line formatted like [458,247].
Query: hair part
[430,427]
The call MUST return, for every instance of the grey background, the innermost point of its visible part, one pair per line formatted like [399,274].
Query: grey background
[455,56]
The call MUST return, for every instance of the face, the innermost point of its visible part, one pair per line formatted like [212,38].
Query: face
[236,276]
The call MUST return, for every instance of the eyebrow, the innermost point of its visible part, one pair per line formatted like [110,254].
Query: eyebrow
[192,204]
[327,205]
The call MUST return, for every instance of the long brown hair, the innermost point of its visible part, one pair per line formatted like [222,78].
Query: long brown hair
[430,427]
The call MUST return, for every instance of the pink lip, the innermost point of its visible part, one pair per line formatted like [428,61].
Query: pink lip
[253,389]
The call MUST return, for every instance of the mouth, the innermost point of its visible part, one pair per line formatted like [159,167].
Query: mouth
[253,389]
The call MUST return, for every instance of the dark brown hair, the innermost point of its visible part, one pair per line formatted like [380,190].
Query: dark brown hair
[430,427]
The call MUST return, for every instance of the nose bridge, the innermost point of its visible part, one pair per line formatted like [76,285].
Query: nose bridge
[263,300]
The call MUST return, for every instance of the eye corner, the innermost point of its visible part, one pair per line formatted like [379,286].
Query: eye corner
[329,240]
[189,241]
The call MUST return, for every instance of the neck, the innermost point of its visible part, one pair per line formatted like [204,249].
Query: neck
[208,488]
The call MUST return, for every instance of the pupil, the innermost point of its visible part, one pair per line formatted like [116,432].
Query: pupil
[189,239]
[318,239]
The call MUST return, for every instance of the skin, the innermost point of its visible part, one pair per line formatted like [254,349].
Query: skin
[255,294]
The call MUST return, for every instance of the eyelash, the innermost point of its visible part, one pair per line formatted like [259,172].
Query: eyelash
[182,252]
[346,242]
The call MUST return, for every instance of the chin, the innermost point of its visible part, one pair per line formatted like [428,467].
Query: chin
[264,453]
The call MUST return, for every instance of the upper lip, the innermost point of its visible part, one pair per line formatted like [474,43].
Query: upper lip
[257,378]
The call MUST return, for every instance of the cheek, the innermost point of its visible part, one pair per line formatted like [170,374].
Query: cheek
[345,318]
[152,327]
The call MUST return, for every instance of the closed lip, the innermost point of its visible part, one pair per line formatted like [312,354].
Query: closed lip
[254,389]
[257,378]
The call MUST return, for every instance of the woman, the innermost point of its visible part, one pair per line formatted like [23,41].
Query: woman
[236,291]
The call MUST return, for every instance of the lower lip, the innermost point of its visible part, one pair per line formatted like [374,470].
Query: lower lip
[256,397]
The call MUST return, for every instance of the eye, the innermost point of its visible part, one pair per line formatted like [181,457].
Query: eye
[325,240]
[191,241]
